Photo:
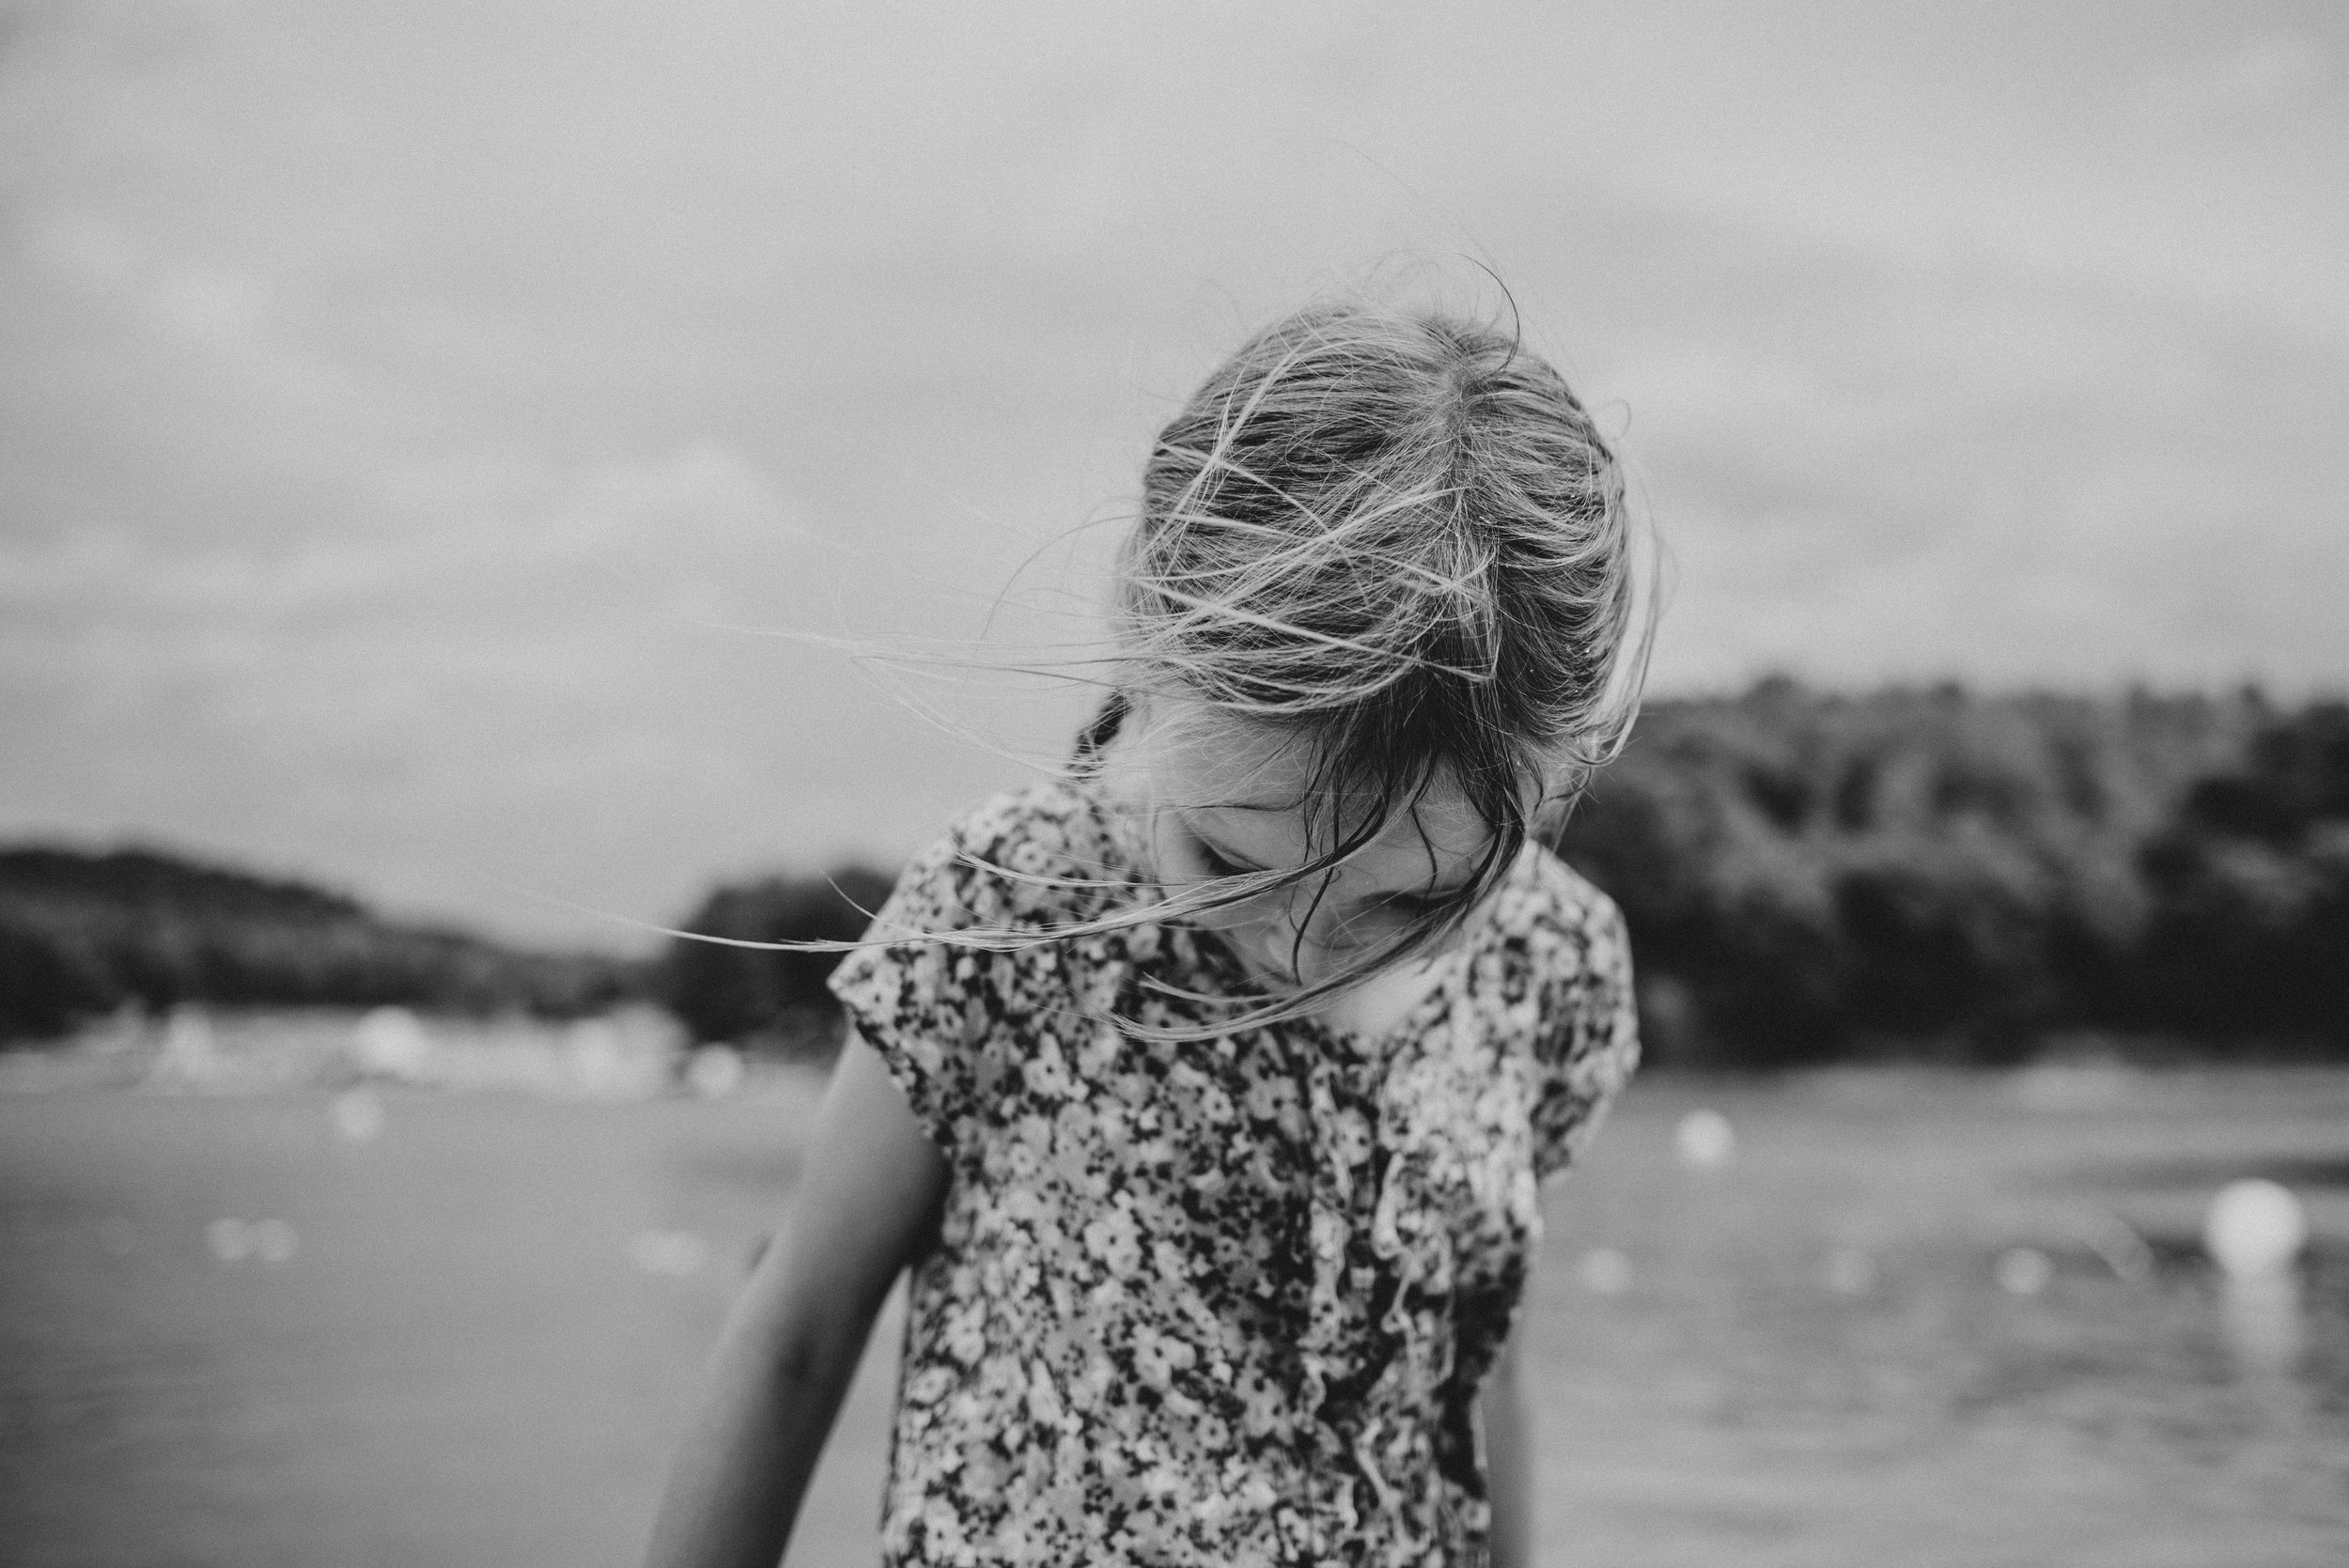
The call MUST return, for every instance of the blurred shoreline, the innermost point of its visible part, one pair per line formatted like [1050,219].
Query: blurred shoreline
[640,1052]
[1913,875]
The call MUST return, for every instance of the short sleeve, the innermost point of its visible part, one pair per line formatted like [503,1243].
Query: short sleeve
[937,1012]
[1589,1043]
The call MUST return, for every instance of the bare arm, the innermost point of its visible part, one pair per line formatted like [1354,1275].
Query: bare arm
[1508,1460]
[865,1206]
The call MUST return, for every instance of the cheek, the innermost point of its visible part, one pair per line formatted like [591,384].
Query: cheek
[1248,916]
[1359,933]
[1180,867]
[1241,918]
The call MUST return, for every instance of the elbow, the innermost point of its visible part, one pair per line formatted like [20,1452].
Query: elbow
[812,1360]
[809,1339]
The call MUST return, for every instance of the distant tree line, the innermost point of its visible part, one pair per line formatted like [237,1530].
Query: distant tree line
[1807,876]
[775,1003]
[1910,872]
[1810,876]
[82,934]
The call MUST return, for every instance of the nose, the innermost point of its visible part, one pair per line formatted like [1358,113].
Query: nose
[1290,920]
[1280,954]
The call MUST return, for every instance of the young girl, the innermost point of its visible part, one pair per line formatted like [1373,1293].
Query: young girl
[1206,1089]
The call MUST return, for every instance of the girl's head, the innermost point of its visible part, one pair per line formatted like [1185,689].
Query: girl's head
[1377,622]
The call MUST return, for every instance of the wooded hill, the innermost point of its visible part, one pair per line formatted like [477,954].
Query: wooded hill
[1814,876]
[1920,873]
[84,933]
[1808,876]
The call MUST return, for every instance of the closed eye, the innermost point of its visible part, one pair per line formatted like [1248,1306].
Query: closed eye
[1405,906]
[1219,864]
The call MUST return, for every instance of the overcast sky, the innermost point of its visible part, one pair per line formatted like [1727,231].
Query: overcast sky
[404,403]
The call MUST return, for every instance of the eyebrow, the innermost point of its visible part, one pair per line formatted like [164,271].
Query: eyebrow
[1224,853]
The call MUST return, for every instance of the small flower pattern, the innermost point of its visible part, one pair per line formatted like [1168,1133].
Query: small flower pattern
[1222,1302]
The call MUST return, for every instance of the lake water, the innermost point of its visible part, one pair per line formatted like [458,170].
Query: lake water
[1910,1319]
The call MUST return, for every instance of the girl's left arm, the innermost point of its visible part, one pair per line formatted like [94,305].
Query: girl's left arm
[1508,1463]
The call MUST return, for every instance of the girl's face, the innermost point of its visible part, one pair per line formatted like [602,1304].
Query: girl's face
[1224,799]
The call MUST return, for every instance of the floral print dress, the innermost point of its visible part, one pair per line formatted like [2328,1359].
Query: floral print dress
[1223,1301]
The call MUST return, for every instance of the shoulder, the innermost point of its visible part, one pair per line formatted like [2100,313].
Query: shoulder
[1571,957]
[964,947]
[1561,924]
[1060,821]
[1047,852]
[1584,1037]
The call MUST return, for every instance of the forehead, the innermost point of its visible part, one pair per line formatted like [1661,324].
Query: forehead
[1247,786]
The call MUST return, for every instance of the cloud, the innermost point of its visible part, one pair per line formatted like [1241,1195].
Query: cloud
[479,525]
[2018,481]
[2270,74]
[396,413]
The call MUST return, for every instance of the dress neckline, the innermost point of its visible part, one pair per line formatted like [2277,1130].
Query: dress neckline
[1448,972]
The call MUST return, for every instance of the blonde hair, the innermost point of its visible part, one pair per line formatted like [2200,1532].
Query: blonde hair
[1398,539]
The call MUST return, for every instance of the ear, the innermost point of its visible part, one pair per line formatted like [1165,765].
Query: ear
[1547,819]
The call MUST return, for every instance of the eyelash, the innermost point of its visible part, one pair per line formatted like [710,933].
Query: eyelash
[1401,903]
[1216,865]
